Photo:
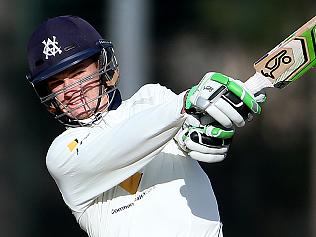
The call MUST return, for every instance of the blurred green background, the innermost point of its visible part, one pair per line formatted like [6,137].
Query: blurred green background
[266,185]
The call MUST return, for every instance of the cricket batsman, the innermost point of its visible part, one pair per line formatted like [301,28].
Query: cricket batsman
[130,168]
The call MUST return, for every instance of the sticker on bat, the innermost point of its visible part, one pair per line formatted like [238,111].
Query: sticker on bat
[279,60]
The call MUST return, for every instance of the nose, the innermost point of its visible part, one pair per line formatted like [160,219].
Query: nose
[68,81]
[70,89]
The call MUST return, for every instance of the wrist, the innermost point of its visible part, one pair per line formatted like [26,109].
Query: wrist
[184,102]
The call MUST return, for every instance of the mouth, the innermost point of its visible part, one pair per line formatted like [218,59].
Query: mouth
[79,105]
[77,109]
[75,102]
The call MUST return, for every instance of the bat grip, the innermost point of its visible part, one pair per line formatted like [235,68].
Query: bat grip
[257,82]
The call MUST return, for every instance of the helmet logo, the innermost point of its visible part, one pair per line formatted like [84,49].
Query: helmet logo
[51,48]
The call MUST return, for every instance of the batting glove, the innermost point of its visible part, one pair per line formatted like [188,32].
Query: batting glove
[206,143]
[226,100]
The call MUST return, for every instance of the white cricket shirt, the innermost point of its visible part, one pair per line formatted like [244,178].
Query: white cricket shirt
[126,176]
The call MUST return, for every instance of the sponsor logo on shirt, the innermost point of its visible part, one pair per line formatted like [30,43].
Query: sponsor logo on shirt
[137,198]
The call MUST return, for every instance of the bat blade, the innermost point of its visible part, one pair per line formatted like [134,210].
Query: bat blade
[288,61]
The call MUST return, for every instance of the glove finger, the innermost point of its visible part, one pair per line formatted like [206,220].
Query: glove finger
[230,112]
[212,131]
[219,116]
[193,146]
[192,121]
[237,104]
[238,88]
[209,158]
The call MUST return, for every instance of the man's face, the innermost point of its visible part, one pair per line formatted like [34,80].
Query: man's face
[78,98]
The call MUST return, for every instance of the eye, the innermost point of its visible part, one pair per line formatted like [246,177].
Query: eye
[53,84]
[77,74]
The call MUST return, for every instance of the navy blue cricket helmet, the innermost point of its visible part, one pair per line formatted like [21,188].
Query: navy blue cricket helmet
[61,42]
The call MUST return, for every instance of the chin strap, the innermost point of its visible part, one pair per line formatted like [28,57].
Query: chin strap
[116,101]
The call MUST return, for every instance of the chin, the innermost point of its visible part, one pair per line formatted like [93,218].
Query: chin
[81,114]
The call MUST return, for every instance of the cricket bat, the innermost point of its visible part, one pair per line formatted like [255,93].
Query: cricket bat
[285,63]
[288,61]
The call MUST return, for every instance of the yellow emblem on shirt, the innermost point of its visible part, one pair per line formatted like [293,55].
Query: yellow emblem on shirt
[72,145]
[131,184]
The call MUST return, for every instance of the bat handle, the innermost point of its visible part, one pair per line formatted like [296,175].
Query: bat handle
[257,82]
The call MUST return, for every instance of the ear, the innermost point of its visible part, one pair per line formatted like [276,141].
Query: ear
[51,109]
[114,80]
